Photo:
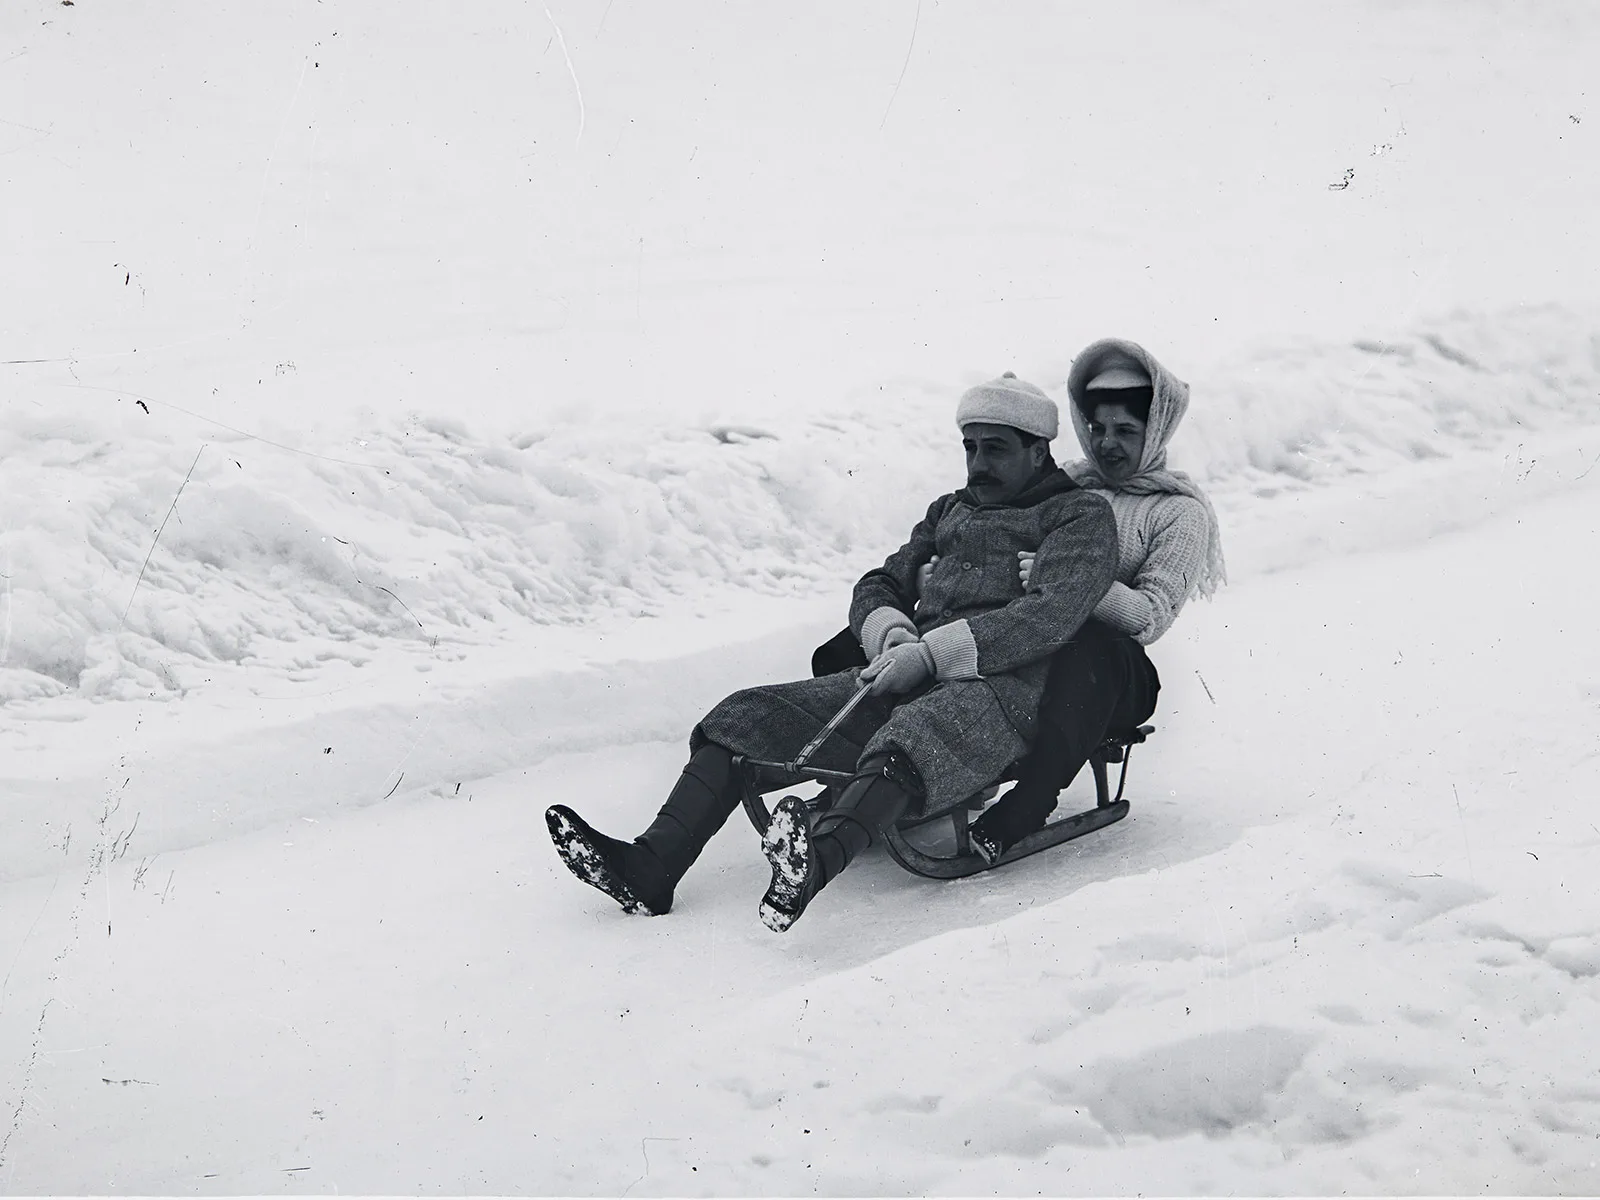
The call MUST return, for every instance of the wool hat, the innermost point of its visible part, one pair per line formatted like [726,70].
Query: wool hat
[1009,401]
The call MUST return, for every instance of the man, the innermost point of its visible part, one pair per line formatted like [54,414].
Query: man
[954,679]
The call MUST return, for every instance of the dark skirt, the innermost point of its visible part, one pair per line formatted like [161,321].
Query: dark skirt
[1100,682]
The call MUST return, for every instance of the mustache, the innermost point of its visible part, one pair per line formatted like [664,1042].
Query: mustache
[981,479]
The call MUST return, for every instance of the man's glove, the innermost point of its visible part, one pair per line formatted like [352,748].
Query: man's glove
[899,669]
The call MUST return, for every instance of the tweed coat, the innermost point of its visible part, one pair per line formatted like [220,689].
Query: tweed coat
[964,728]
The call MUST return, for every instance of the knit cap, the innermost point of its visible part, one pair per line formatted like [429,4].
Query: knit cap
[1116,376]
[1009,401]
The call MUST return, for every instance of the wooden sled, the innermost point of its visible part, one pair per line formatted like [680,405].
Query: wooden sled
[757,777]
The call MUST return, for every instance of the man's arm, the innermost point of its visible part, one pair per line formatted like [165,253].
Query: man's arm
[886,598]
[1071,572]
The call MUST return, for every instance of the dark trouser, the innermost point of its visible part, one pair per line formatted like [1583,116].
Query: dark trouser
[1099,682]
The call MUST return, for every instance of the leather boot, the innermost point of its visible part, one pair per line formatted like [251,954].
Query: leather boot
[640,875]
[700,804]
[804,858]
[1021,811]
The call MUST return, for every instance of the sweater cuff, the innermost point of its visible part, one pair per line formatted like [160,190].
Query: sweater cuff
[877,625]
[1124,609]
[955,653]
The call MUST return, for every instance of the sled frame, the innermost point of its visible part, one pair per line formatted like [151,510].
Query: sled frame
[756,777]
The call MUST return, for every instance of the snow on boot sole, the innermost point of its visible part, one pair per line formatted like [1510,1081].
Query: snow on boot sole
[787,845]
[572,838]
[985,846]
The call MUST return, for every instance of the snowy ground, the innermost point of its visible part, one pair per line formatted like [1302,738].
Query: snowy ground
[1346,941]
[409,423]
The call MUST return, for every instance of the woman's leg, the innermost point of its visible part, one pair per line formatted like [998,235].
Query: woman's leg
[838,653]
[1098,682]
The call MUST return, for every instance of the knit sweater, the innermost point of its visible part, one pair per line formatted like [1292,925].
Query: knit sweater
[1141,529]
[1161,539]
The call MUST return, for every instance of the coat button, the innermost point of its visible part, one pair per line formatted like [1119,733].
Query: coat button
[966,566]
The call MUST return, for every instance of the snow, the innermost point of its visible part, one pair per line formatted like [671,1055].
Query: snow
[410,422]
[436,536]
[1375,974]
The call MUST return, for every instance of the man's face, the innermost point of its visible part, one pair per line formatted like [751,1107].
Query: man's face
[999,466]
[1116,438]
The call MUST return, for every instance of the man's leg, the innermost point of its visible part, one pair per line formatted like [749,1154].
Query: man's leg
[766,722]
[804,857]
[933,750]
[839,653]
[773,722]
[1098,682]
[640,875]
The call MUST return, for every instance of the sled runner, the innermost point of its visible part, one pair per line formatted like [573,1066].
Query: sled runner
[757,777]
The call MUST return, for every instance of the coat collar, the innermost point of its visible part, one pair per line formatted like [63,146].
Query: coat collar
[1052,483]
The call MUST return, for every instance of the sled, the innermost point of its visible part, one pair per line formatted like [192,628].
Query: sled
[756,777]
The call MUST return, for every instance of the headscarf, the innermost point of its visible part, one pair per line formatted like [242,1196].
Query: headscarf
[1167,406]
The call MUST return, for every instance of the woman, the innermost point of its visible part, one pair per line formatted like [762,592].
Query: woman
[1125,408]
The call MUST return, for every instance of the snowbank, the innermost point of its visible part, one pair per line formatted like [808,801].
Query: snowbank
[147,551]
[244,757]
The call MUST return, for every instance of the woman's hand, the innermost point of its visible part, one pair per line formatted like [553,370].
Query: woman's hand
[897,635]
[1025,565]
[923,574]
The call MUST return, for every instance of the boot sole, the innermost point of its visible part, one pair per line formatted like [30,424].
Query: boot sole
[586,862]
[787,845]
[985,848]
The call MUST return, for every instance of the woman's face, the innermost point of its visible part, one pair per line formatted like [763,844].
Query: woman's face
[1116,439]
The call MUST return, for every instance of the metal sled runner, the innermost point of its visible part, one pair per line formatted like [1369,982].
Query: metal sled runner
[757,777]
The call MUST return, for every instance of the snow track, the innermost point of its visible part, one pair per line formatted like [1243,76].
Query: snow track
[1346,938]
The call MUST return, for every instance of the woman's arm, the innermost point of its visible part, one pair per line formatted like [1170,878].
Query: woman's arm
[1146,608]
